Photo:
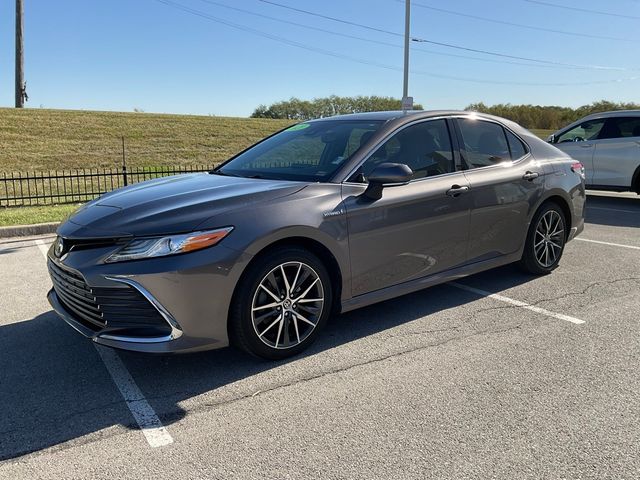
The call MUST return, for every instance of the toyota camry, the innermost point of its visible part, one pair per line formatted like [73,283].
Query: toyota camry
[323,217]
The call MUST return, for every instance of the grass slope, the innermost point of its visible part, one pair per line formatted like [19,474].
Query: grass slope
[40,139]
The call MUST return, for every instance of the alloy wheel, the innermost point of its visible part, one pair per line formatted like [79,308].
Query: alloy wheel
[287,305]
[549,238]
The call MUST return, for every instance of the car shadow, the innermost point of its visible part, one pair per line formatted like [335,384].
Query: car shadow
[615,211]
[54,387]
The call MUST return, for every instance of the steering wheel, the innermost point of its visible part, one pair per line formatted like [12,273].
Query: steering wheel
[578,139]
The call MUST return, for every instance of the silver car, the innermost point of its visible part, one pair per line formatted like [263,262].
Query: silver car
[608,145]
[323,217]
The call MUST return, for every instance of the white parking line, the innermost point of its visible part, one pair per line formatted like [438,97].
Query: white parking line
[153,430]
[43,247]
[517,303]
[607,243]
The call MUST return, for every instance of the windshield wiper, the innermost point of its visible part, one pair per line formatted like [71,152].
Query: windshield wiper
[223,174]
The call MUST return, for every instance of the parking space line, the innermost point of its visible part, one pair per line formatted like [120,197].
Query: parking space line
[607,243]
[43,247]
[156,434]
[153,430]
[517,303]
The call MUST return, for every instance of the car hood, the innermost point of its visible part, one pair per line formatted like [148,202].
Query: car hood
[170,205]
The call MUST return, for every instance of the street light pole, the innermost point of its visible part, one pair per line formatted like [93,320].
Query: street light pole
[407,102]
[20,88]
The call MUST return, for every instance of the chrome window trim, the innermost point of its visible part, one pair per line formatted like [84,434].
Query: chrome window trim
[389,136]
[176,331]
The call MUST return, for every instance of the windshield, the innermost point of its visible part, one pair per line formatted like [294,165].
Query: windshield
[307,151]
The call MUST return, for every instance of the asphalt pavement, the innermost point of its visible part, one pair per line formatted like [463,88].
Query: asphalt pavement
[503,375]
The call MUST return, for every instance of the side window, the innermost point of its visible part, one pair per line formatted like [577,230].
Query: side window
[424,147]
[585,131]
[620,127]
[485,143]
[518,150]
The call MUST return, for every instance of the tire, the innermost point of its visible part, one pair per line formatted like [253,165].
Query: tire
[546,239]
[267,322]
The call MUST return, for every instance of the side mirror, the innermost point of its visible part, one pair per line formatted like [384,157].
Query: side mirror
[387,175]
[551,138]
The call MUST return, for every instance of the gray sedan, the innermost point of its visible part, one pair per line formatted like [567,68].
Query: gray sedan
[323,217]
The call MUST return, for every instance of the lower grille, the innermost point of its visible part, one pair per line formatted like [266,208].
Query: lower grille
[120,309]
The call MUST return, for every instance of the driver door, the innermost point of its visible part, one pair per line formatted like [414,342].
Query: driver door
[580,144]
[414,230]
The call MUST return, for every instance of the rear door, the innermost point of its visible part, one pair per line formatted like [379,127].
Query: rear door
[617,152]
[414,230]
[505,183]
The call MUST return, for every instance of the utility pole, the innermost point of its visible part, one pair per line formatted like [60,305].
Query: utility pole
[20,85]
[407,102]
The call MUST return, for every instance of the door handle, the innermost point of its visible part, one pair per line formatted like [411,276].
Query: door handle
[457,190]
[589,145]
[530,176]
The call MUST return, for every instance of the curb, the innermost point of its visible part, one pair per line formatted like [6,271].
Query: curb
[27,230]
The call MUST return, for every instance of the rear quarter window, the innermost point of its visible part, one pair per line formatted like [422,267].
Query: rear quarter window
[518,149]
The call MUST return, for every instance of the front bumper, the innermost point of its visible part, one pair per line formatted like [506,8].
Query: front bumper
[191,292]
[169,344]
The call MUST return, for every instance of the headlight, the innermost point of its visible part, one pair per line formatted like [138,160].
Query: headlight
[170,245]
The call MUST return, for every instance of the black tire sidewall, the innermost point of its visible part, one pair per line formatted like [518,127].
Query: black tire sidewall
[242,333]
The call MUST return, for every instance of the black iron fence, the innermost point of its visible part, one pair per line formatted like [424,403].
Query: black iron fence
[80,185]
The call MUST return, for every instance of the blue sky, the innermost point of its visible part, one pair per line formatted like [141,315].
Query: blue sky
[126,54]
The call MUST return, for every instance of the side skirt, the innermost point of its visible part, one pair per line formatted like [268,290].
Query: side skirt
[424,282]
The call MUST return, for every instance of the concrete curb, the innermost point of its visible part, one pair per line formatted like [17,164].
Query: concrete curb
[28,230]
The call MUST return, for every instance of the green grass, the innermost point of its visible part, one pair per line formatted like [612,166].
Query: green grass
[543,134]
[33,215]
[41,139]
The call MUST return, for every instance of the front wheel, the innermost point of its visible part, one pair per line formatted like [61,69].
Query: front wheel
[545,240]
[282,303]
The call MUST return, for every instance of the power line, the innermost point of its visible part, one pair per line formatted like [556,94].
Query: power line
[380,42]
[293,43]
[583,10]
[521,25]
[441,44]
[270,36]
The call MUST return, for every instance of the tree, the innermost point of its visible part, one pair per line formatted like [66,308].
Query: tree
[296,109]
[548,117]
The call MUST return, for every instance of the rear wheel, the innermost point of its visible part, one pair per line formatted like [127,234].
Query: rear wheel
[281,304]
[545,240]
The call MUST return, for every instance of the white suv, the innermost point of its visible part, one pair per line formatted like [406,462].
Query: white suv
[608,145]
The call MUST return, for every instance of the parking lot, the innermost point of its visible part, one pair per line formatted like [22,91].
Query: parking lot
[501,375]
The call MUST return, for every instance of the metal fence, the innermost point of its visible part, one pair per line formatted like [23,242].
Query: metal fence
[80,185]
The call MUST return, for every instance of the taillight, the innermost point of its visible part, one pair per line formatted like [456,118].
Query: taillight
[578,168]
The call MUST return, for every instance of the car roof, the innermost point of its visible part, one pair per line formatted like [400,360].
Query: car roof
[399,114]
[614,113]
